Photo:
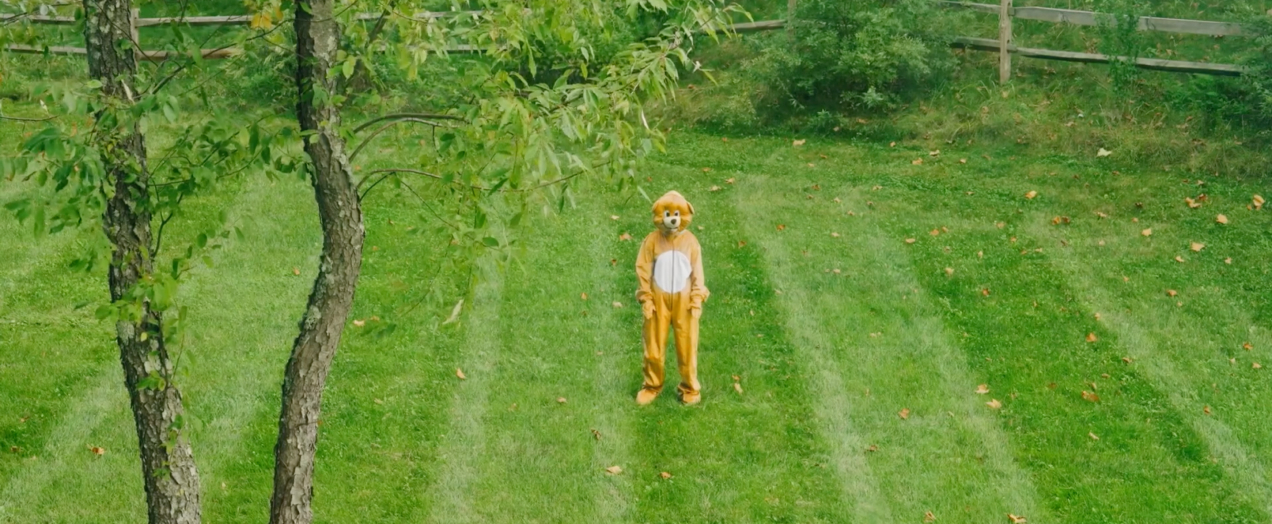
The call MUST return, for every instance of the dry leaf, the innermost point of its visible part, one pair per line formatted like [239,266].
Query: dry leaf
[1103,153]
[1090,397]
[917,162]
[1171,292]
[560,400]
[1016,519]
[1206,410]
[1147,232]
[1247,346]
[595,434]
[781,227]
[730,180]
[737,387]
[994,404]
[949,271]
[1179,259]
[798,143]
[359,323]
[909,240]
[1221,219]
[625,236]
[741,243]
[706,170]
[934,153]
[982,389]
[714,189]
[1093,437]
[1192,204]
[985,291]
[892,144]
[873,448]
[583,296]
[929,517]
[1256,365]
[1227,260]
[665,475]
[618,304]
[460,373]
[1258,202]
[934,232]
[1091,337]
[834,235]
[454,312]
[962,160]
[837,200]
[1030,195]
[614,470]
[1126,360]
[904,413]
[1196,246]
[613,217]
[613,261]
[1101,215]
[97,450]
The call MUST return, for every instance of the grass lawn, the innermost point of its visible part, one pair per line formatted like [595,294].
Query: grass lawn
[858,352]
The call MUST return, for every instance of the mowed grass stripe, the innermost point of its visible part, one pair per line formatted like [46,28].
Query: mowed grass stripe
[870,329]
[453,497]
[1147,464]
[541,460]
[1184,356]
[736,457]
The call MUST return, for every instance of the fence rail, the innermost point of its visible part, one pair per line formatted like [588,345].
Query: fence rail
[1003,45]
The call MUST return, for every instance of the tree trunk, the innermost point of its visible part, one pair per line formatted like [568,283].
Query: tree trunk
[171,480]
[317,37]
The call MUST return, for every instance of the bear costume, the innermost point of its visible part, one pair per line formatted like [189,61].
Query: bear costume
[672,290]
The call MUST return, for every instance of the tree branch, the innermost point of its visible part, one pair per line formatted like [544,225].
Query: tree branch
[384,127]
[401,116]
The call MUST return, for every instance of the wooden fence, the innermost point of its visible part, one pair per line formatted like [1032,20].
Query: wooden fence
[1002,45]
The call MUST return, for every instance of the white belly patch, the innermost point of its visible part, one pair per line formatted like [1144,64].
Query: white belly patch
[671,271]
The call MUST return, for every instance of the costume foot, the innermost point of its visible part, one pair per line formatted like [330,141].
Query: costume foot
[691,398]
[645,396]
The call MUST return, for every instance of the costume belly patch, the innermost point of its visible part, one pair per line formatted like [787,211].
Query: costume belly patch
[671,271]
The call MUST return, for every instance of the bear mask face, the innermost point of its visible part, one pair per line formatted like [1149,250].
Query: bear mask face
[672,213]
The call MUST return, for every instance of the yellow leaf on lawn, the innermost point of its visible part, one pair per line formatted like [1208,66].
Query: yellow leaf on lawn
[1247,346]
[1171,292]
[1256,365]
[982,389]
[1221,219]
[1258,202]
[730,180]
[618,304]
[1091,337]
[97,450]
[583,296]
[625,236]
[917,162]
[1196,246]
[460,373]
[1206,410]
[560,400]
[665,475]
[1093,437]
[1179,259]
[1090,397]
[909,240]
[949,271]
[296,271]
[994,404]
[904,413]
[359,323]
[1147,232]
[737,387]
[1016,519]
[1030,195]
[614,470]
[798,143]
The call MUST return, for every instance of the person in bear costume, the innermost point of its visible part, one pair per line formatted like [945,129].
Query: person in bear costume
[672,290]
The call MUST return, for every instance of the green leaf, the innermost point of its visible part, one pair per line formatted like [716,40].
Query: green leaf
[104,311]
[490,242]
[348,67]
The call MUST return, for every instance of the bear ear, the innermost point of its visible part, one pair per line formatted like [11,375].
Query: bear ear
[691,212]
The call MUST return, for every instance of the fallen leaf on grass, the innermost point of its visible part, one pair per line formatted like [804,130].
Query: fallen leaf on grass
[460,373]
[1093,437]
[982,389]
[873,448]
[454,312]
[1222,219]
[994,404]
[1192,204]
[97,450]
[625,236]
[614,470]
[949,271]
[730,180]
[706,170]
[1060,220]
[904,413]
[984,291]
[583,296]
[934,232]
[837,200]
[1101,215]
[1227,260]
[1256,365]
[560,400]
[618,304]
[714,189]
[962,160]
[1196,246]
[1171,292]
[1258,202]
[1030,195]
[596,434]
[1179,259]
[1206,410]
[1090,397]
[613,217]
[1091,337]
[737,387]
[359,323]
[1147,232]
[934,153]
[798,143]
[665,475]
[917,162]
[1126,360]
[1247,346]
[1016,519]
[834,235]
[909,240]
[929,517]
[1103,153]
[781,227]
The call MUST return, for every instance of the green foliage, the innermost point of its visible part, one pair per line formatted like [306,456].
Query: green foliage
[863,54]
[1121,38]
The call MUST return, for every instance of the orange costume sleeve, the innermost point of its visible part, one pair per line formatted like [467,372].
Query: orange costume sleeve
[644,271]
[698,292]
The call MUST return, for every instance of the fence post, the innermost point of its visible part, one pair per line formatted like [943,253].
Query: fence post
[1004,41]
[134,14]
[790,18]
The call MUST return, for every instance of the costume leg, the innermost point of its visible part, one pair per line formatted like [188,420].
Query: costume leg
[655,338]
[686,327]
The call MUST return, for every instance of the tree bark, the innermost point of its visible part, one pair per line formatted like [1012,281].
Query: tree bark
[171,479]
[317,38]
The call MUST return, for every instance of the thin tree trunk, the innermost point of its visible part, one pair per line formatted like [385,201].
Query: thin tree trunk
[317,37]
[171,480]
